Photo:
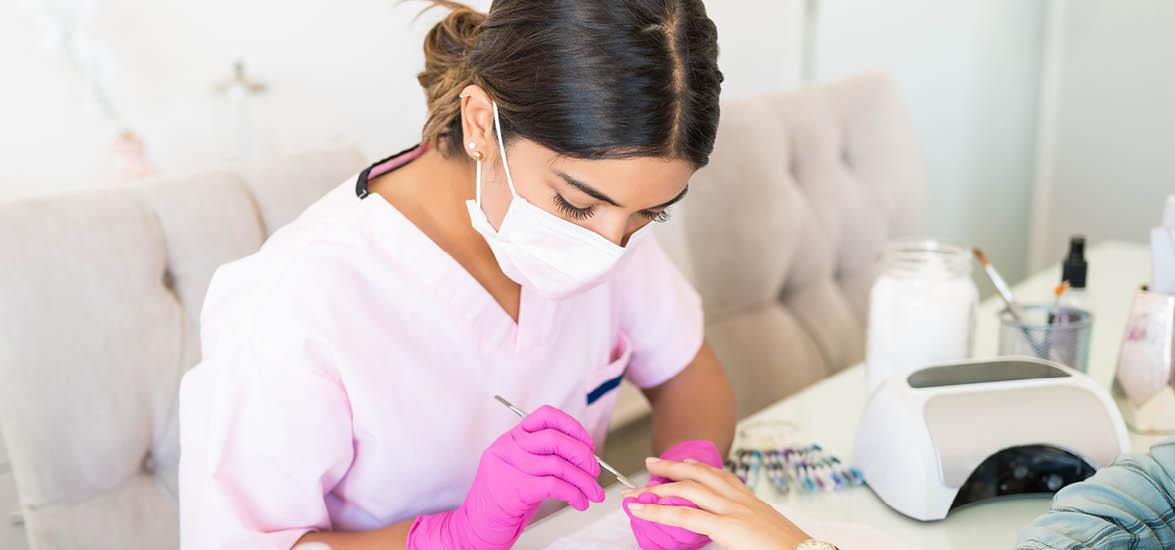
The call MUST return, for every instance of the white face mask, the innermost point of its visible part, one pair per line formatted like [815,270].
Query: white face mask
[540,250]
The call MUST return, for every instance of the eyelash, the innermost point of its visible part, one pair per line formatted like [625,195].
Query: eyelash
[577,213]
[571,211]
[658,217]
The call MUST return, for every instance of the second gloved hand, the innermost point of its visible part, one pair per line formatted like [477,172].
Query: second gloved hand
[547,455]
[655,536]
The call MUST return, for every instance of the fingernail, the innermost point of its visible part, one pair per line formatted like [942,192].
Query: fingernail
[652,459]
[690,461]
[635,507]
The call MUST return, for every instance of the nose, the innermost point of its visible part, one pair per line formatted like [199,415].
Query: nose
[616,232]
[618,235]
[619,229]
[628,231]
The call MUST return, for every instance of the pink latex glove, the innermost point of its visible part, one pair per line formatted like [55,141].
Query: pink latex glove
[547,455]
[655,536]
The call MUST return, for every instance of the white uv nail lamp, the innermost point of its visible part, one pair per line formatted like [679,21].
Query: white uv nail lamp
[958,433]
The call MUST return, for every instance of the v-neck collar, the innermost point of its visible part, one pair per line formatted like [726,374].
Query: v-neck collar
[455,286]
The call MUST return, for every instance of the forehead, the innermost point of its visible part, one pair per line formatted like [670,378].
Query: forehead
[639,182]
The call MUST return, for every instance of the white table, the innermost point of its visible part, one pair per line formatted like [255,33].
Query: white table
[828,411]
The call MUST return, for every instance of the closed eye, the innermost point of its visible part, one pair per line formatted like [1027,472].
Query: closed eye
[572,211]
[659,216]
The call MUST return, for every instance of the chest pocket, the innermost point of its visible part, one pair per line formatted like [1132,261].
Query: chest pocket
[601,389]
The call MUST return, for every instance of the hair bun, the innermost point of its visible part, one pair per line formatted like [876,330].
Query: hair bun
[586,79]
[446,64]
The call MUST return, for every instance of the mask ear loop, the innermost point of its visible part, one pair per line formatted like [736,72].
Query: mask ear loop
[478,184]
[477,158]
[502,149]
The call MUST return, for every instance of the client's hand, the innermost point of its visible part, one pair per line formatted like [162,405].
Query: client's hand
[655,536]
[726,509]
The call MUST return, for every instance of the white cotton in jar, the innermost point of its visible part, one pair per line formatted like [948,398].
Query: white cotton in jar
[921,309]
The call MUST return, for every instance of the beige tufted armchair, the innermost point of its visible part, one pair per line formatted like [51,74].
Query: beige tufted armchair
[100,293]
[782,231]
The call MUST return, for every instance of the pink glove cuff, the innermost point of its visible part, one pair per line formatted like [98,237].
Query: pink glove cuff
[426,531]
[431,531]
[450,530]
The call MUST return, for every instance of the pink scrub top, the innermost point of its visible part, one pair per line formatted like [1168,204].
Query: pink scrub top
[349,368]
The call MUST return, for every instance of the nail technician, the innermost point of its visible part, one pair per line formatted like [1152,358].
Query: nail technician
[345,393]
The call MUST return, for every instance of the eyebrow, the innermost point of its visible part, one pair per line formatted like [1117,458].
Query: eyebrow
[596,194]
[587,189]
[671,202]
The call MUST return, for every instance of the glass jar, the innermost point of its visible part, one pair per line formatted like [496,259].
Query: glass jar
[921,309]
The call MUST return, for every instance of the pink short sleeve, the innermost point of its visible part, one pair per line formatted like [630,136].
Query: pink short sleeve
[265,435]
[660,312]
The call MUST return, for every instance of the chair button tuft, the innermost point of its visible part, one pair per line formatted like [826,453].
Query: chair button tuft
[149,464]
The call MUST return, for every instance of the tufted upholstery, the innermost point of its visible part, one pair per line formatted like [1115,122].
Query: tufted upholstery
[781,232]
[101,294]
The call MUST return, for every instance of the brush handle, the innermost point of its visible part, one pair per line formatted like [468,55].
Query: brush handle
[1004,291]
[1014,309]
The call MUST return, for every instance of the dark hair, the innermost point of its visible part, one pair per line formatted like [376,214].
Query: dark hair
[589,79]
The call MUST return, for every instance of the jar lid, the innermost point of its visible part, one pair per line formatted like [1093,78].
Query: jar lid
[926,257]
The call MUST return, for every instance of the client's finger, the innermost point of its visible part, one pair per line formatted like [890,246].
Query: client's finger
[692,491]
[693,519]
[720,481]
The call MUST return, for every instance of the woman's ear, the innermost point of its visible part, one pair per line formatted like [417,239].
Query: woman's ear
[477,123]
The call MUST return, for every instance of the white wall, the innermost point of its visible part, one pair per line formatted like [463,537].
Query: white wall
[969,71]
[345,72]
[759,44]
[1107,158]
[337,72]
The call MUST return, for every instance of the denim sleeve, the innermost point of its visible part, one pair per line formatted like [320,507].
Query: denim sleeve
[1127,505]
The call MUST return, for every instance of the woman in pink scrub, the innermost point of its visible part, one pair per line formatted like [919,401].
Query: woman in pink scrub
[346,390]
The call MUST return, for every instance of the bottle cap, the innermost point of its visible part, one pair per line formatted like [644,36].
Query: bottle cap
[1074,268]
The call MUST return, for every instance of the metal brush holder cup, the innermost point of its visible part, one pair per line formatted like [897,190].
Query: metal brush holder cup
[1061,334]
[1144,385]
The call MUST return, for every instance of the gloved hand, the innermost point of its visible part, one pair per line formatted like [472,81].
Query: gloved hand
[655,536]
[547,455]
